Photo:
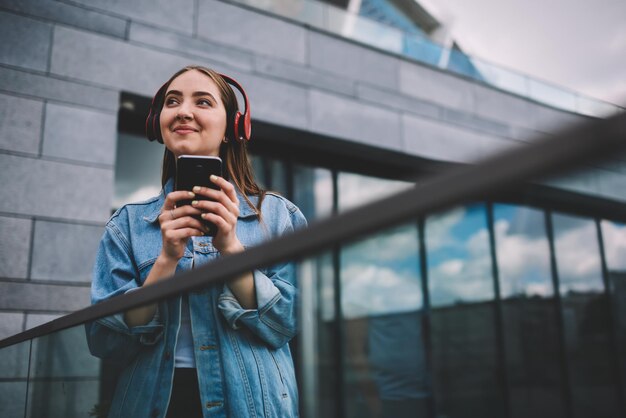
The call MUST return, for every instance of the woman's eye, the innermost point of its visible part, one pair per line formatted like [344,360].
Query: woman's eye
[171,101]
[204,102]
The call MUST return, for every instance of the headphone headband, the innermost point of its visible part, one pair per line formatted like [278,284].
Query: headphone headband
[241,124]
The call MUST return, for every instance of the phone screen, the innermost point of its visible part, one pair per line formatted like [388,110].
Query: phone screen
[194,170]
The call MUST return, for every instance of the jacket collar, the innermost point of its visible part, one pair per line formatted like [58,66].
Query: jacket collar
[153,215]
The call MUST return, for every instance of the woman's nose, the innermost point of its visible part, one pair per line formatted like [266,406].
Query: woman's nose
[184,113]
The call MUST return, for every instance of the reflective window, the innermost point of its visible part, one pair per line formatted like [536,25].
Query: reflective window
[318,345]
[464,347]
[356,190]
[614,236]
[313,191]
[591,365]
[381,302]
[14,365]
[530,325]
[137,169]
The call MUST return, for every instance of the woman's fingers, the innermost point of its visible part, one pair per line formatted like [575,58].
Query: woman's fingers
[174,197]
[218,208]
[226,196]
[181,234]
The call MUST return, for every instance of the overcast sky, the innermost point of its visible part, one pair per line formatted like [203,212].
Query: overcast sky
[577,44]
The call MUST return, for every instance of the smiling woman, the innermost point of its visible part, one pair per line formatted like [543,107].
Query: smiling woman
[195,350]
[193,121]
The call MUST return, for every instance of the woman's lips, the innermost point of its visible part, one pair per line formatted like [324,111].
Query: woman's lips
[184,130]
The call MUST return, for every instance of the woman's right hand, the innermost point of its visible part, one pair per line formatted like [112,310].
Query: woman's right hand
[178,224]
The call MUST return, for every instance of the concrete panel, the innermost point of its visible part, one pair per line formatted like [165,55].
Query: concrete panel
[15,250]
[111,62]
[178,14]
[264,35]
[477,123]
[53,189]
[436,86]
[177,43]
[10,324]
[20,124]
[80,134]
[349,60]
[434,140]
[25,42]
[58,90]
[68,14]
[497,105]
[306,76]
[398,101]
[347,118]
[64,252]
[43,297]
[275,102]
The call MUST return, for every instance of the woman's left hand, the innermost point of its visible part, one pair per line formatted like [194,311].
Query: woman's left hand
[223,211]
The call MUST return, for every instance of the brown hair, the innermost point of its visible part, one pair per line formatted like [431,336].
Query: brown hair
[234,153]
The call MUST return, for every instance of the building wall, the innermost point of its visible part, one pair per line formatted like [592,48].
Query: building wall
[63,66]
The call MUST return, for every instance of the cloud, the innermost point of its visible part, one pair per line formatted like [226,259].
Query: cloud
[357,190]
[614,245]
[392,245]
[376,290]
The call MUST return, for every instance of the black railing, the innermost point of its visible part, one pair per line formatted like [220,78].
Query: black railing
[573,146]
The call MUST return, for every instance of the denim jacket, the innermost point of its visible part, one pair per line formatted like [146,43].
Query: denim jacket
[243,361]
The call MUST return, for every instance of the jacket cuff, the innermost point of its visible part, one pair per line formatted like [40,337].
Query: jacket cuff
[267,294]
[148,334]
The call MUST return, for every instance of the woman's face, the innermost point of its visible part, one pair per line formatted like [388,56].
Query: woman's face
[193,118]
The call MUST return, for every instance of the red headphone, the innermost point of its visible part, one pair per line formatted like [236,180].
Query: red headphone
[240,125]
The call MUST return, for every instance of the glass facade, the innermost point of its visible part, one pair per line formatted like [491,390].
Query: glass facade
[489,309]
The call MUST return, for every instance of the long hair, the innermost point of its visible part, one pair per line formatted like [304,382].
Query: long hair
[234,153]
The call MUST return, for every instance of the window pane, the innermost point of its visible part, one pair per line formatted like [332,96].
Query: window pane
[381,298]
[64,378]
[614,235]
[530,326]
[356,190]
[313,191]
[464,347]
[317,342]
[14,362]
[137,169]
[585,317]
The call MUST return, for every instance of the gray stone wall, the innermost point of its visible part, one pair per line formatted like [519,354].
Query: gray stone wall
[64,64]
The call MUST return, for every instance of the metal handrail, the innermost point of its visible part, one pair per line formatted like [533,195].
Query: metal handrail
[583,143]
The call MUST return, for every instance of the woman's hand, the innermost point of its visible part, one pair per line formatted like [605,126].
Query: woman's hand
[223,211]
[178,225]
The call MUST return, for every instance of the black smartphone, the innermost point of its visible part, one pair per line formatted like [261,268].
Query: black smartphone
[195,170]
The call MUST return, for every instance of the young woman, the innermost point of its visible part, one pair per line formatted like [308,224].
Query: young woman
[221,351]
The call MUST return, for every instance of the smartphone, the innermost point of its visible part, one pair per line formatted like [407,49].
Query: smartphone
[195,170]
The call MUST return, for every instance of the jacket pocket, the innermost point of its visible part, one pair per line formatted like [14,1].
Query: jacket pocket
[284,394]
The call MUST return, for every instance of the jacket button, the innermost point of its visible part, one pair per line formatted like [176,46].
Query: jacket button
[167,355]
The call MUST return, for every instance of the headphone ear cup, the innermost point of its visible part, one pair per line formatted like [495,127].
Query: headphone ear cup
[153,127]
[236,128]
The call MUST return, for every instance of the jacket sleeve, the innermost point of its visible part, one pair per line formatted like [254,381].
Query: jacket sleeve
[275,318]
[114,274]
